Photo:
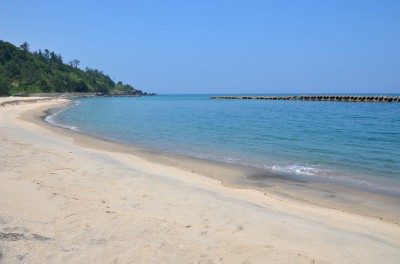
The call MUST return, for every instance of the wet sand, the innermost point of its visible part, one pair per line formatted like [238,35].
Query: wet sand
[69,197]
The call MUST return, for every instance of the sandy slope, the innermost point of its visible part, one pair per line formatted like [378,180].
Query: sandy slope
[63,203]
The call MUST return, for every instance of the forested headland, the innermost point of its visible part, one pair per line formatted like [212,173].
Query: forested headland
[23,71]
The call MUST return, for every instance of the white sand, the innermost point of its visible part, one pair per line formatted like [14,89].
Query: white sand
[64,203]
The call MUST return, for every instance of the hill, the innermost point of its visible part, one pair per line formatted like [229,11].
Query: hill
[23,71]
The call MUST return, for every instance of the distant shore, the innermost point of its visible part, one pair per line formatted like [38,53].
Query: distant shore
[70,197]
[82,95]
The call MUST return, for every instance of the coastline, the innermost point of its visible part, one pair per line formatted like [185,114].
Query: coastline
[339,197]
[100,201]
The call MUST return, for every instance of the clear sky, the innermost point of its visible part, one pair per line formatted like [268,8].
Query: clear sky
[211,46]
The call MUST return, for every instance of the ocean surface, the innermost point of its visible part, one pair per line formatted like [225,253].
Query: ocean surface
[354,144]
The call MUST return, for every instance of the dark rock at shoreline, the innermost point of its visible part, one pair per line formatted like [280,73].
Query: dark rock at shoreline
[129,93]
[21,95]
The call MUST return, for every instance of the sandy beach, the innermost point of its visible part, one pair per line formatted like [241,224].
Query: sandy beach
[70,198]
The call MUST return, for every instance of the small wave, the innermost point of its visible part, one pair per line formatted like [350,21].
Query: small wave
[298,169]
[51,119]
[357,181]
[370,184]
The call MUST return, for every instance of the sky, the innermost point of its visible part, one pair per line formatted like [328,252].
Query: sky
[193,47]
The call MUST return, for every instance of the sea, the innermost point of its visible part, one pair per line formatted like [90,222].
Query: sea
[356,144]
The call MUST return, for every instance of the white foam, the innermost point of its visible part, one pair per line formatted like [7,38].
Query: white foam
[50,119]
[298,169]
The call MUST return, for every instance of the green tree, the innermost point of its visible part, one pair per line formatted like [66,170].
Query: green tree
[76,63]
[4,84]
[25,46]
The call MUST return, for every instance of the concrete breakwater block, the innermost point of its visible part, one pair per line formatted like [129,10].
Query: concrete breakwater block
[343,98]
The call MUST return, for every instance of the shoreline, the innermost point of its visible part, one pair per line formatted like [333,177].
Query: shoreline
[68,197]
[297,160]
[341,197]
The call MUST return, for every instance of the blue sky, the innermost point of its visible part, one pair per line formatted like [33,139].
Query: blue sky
[215,46]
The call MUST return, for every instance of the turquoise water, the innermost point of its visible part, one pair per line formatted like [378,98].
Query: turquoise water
[356,144]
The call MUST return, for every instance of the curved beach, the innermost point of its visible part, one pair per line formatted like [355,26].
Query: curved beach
[72,198]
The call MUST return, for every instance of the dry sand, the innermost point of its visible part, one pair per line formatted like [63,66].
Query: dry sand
[64,202]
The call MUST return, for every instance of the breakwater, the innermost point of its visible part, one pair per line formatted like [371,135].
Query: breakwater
[340,98]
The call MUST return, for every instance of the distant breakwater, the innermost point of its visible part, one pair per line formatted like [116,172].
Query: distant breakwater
[340,98]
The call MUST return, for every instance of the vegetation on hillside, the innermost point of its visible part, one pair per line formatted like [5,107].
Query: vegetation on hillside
[23,71]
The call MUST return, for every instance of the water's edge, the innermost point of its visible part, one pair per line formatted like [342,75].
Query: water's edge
[338,197]
[294,171]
